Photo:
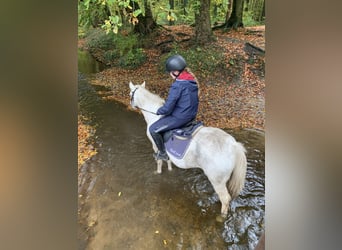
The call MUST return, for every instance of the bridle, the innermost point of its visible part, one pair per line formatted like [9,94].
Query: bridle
[132,101]
[132,97]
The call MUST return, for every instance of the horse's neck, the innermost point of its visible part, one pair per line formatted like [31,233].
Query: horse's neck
[150,103]
[150,118]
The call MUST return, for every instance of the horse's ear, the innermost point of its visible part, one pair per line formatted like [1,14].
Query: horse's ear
[143,84]
[131,86]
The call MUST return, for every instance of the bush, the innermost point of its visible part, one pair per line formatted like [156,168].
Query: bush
[117,49]
[202,60]
[249,21]
[110,56]
[133,58]
[125,44]
[98,39]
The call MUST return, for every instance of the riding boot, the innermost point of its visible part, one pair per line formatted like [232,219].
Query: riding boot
[158,140]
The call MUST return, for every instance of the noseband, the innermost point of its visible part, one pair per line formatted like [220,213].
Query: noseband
[132,101]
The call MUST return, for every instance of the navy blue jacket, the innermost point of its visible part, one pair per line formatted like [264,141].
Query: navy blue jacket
[182,101]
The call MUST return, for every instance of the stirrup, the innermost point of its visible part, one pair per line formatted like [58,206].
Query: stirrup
[161,156]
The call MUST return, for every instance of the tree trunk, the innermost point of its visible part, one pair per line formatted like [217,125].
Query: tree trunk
[235,19]
[203,30]
[146,23]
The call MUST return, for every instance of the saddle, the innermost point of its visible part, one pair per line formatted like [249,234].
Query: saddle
[178,140]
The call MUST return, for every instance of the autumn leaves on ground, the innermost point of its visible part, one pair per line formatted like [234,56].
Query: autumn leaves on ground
[232,97]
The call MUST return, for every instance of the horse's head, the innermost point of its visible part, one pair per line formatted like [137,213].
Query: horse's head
[143,99]
[133,94]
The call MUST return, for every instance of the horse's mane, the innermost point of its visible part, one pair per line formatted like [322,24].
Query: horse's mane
[152,97]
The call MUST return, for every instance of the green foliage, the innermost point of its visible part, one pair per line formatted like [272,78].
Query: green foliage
[196,5]
[98,39]
[114,15]
[133,58]
[218,11]
[125,44]
[200,59]
[130,55]
[248,19]
[255,11]
[179,15]
[121,50]
[82,32]
[164,14]
[187,18]
[111,55]
[91,13]
[110,15]
[112,24]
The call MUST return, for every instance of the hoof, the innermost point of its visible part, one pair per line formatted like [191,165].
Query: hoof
[157,172]
[221,218]
[169,165]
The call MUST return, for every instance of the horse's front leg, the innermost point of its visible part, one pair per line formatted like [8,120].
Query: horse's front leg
[159,166]
[155,149]
[169,165]
[159,162]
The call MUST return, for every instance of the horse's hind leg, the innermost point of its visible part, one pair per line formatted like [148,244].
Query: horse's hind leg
[221,190]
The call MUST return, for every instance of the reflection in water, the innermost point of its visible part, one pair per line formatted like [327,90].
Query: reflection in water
[124,205]
[87,64]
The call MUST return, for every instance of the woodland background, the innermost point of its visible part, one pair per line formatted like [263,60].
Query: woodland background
[223,43]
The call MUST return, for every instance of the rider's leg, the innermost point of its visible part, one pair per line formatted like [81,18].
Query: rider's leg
[161,126]
[158,140]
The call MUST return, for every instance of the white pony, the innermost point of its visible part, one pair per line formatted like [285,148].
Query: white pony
[214,151]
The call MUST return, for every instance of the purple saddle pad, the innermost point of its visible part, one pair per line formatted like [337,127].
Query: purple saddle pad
[177,146]
[180,139]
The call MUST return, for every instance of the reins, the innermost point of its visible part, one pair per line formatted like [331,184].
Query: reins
[147,110]
[132,100]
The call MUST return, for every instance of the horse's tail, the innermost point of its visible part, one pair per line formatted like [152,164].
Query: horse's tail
[237,179]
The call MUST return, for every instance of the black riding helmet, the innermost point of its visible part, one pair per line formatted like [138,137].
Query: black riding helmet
[175,63]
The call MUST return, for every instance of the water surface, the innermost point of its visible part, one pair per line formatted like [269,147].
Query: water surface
[123,204]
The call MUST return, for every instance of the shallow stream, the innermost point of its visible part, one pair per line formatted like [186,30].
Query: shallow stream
[123,204]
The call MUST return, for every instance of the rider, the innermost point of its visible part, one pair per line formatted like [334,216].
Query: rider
[181,105]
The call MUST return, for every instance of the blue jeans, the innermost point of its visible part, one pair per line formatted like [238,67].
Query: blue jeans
[162,125]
